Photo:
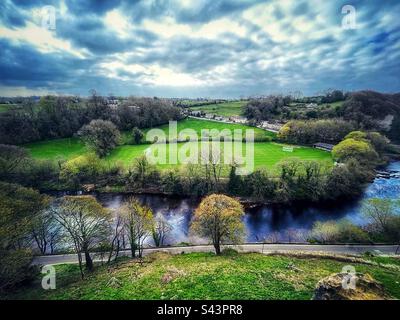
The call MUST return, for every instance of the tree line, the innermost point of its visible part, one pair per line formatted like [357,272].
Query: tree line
[363,110]
[59,117]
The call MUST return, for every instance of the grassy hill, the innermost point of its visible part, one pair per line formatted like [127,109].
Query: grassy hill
[206,276]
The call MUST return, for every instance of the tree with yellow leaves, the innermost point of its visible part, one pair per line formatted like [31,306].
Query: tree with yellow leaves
[219,218]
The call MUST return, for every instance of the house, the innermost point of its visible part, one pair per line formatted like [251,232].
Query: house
[323,146]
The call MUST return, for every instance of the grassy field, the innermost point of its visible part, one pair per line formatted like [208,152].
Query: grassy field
[225,109]
[266,154]
[204,276]
[199,125]
[5,107]
[58,148]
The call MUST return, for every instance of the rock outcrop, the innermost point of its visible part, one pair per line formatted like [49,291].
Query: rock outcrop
[364,288]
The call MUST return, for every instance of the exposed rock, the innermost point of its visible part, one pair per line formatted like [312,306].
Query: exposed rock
[365,288]
[88,187]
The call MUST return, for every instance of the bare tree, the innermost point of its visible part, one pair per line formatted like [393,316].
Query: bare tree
[380,212]
[211,163]
[273,237]
[10,158]
[292,235]
[117,240]
[46,232]
[138,222]
[86,222]
[161,228]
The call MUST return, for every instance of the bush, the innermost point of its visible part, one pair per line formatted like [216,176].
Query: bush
[19,208]
[342,231]
[362,151]
[229,252]
[15,268]
[80,170]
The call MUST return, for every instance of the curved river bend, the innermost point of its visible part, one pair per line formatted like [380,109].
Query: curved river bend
[264,221]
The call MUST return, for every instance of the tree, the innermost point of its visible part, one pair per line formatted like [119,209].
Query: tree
[138,224]
[142,172]
[117,237]
[86,223]
[259,185]
[325,232]
[46,232]
[359,150]
[19,209]
[161,229]
[10,158]
[172,182]
[137,135]
[235,181]
[100,136]
[378,141]
[219,218]
[321,130]
[380,212]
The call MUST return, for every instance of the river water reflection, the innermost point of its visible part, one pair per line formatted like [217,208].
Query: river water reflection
[264,221]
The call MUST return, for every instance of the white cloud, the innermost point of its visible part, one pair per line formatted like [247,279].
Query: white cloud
[117,21]
[43,39]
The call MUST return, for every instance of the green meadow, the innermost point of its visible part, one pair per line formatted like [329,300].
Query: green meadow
[205,276]
[5,107]
[225,109]
[266,154]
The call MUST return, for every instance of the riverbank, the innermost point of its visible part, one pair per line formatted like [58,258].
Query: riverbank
[263,221]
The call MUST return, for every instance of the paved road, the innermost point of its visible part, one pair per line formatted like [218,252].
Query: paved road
[267,248]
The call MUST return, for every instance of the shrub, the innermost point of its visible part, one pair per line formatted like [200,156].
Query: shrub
[362,151]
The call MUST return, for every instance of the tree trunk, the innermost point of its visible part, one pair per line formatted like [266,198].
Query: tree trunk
[133,249]
[89,261]
[217,248]
[80,264]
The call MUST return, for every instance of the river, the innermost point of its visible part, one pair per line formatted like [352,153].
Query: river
[271,222]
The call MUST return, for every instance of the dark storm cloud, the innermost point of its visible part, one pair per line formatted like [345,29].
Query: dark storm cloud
[285,46]
[91,33]
[96,7]
[23,65]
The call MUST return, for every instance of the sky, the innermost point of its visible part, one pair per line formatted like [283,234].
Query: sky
[199,48]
